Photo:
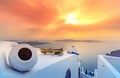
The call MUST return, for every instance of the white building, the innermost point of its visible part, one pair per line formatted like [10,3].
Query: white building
[47,66]
[108,67]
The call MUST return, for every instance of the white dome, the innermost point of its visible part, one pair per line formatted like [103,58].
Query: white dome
[22,57]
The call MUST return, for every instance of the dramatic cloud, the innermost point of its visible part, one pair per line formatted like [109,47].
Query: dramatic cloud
[54,19]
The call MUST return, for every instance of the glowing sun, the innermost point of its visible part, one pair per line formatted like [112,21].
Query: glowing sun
[72,19]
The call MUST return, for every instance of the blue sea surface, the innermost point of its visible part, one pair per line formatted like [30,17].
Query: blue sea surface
[88,51]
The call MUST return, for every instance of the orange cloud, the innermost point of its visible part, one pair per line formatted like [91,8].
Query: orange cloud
[36,19]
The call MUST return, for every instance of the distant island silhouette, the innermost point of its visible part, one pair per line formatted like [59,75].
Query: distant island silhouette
[34,42]
[72,40]
[30,42]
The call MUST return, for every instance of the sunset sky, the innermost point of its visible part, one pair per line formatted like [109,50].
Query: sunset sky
[60,19]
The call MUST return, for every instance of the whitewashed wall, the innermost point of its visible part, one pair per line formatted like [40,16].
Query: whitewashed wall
[56,70]
[105,69]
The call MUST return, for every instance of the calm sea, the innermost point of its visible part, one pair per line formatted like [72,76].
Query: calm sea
[89,51]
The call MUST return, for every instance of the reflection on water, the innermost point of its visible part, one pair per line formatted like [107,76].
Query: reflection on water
[88,51]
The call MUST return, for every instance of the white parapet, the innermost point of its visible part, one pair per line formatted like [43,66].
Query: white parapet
[47,66]
[95,73]
[108,67]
